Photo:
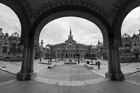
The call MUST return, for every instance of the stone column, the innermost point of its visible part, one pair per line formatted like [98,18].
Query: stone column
[23,72]
[117,68]
[110,74]
[30,73]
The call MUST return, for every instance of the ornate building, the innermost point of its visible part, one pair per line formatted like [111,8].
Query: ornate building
[39,50]
[100,50]
[69,49]
[4,42]
[126,45]
[135,40]
[10,44]
[14,42]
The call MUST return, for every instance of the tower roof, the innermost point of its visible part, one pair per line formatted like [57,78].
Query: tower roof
[70,36]
[70,30]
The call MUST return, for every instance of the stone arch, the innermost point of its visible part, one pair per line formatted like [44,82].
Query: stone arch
[77,11]
[20,11]
[120,16]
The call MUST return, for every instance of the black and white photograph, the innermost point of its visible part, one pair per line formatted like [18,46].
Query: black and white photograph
[69,46]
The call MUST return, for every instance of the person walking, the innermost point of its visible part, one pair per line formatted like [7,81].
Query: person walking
[98,64]
[40,60]
[78,61]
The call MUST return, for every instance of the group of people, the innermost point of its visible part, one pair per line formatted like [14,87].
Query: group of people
[97,63]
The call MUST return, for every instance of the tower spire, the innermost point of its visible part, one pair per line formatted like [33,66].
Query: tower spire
[70,30]
[70,36]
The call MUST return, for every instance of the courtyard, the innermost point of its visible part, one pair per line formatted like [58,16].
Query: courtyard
[69,78]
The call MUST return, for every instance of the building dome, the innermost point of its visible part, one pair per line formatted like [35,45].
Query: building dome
[15,34]
[126,35]
[6,34]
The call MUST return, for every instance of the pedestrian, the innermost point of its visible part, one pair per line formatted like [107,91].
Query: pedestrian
[78,62]
[98,64]
[87,62]
[40,59]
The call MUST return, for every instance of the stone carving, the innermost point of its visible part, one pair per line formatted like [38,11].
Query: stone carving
[87,3]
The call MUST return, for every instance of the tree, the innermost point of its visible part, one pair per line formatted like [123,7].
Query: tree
[136,51]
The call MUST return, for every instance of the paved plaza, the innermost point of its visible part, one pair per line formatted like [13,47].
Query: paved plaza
[69,79]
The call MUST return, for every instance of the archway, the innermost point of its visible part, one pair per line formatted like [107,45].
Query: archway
[44,19]
[18,8]
[130,44]
[110,39]
[118,21]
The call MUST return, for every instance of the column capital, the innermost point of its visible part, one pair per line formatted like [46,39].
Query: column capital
[29,45]
[114,42]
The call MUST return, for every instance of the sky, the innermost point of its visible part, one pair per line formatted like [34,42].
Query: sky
[57,31]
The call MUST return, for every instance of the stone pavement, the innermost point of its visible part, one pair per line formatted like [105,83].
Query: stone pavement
[70,73]
[34,86]
[4,76]
[74,84]
[14,67]
[127,68]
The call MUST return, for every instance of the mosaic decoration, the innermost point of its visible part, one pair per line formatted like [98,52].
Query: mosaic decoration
[86,3]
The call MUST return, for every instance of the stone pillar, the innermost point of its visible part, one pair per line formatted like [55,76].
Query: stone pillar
[30,73]
[110,74]
[23,72]
[117,68]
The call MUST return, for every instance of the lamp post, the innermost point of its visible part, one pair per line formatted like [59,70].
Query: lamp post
[47,54]
[93,52]
[39,51]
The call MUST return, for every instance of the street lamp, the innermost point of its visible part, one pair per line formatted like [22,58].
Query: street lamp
[93,52]
[48,54]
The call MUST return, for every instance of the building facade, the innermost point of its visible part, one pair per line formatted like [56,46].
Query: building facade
[39,50]
[10,44]
[128,43]
[100,50]
[69,49]
[4,42]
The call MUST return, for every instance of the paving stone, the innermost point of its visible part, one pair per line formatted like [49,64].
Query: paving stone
[44,80]
[95,81]
[71,83]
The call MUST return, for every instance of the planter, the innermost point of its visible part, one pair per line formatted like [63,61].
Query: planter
[129,60]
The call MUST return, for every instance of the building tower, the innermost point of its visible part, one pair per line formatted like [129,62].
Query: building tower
[42,43]
[70,36]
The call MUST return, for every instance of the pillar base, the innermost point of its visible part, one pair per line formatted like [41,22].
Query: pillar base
[119,76]
[21,76]
[110,76]
[31,76]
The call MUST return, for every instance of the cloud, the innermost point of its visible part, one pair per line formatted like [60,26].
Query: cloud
[9,20]
[131,23]
[83,31]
